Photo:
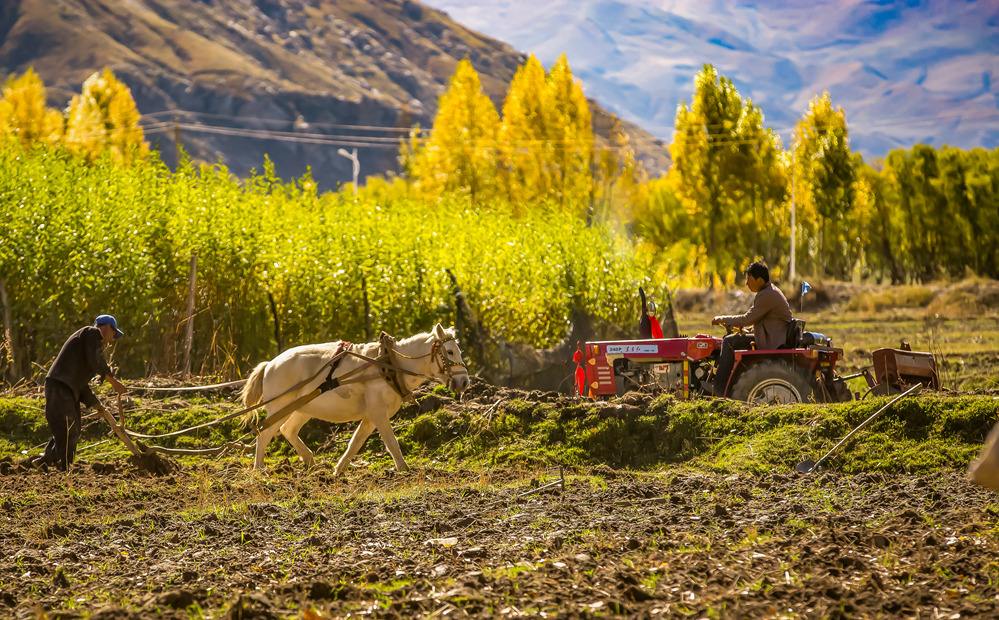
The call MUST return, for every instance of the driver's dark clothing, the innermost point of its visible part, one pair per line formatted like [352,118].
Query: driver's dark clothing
[726,359]
[67,384]
[769,315]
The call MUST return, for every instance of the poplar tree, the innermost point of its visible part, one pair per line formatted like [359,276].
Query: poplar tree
[824,184]
[706,168]
[104,117]
[24,114]
[572,136]
[876,224]
[761,211]
[460,153]
[525,137]
[617,191]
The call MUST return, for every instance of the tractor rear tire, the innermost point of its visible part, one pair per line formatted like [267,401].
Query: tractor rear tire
[773,383]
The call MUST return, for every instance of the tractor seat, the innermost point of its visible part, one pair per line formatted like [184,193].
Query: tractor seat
[795,333]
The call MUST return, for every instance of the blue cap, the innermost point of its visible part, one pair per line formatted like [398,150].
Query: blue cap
[107,319]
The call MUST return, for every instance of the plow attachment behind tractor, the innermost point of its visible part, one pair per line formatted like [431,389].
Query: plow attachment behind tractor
[897,369]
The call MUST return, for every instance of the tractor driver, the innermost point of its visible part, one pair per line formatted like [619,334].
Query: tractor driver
[769,315]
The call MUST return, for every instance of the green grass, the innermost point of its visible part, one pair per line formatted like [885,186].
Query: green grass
[918,434]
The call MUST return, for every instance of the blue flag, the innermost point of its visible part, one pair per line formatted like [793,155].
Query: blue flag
[805,287]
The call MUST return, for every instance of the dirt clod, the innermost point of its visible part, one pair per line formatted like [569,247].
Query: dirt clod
[155,464]
[253,606]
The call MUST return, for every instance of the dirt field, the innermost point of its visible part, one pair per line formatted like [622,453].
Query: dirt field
[679,509]
[218,539]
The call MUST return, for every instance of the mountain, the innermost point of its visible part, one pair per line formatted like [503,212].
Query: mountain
[298,76]
[905,71]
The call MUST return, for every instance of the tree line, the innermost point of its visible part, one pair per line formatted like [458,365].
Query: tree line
[918,214]
[534,213]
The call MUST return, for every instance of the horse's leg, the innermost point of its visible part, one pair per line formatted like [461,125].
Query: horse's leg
[384,427]
[290,431]
[263,439]
[364,429]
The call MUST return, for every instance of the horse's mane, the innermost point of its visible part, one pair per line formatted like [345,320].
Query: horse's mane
[424,336]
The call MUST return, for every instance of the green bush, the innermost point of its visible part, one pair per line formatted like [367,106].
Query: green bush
[81,239]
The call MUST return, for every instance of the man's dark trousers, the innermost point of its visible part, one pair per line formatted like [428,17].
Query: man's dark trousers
[62,410]
[726,359]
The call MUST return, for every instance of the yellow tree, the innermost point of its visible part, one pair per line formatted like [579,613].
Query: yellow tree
[23,113]
[617,190]
[104,117]
[572,136]
[708,166]
[760,208]
[460,154]
[823,176]
[524,137]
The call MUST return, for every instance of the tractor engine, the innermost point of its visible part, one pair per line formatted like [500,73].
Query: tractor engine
[671,364]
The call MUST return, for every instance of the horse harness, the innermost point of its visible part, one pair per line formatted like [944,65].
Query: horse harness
[390,371]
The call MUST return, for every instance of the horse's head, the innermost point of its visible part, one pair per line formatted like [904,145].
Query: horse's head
[447,359]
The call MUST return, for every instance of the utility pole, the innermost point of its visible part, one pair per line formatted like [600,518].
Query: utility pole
[793,224]
[352,156]
[177,144]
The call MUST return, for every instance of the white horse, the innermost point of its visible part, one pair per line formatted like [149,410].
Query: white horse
[366,395]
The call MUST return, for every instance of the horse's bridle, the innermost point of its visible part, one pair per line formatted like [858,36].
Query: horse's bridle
[440,355]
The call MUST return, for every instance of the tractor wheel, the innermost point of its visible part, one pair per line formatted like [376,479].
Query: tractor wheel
[772,383]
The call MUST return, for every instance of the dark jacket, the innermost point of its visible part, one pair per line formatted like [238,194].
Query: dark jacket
[79,360]
[769,316]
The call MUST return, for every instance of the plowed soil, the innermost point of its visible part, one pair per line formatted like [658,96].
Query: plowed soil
[220,540]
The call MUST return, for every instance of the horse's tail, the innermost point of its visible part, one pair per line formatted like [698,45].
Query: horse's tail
[253,390]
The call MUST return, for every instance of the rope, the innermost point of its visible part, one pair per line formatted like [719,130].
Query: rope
[242,447]
[192,388]
[189,429]
[243,411]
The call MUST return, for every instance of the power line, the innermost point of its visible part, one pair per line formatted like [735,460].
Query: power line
[351,141]
[267,135]
[373,141]
[385,128]
[977,116]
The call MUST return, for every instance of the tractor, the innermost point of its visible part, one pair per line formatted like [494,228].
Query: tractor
[803,369]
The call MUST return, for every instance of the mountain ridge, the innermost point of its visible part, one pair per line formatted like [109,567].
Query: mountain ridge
[267,65]
[905,72]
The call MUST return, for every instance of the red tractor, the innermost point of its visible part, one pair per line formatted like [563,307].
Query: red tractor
[801,370]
